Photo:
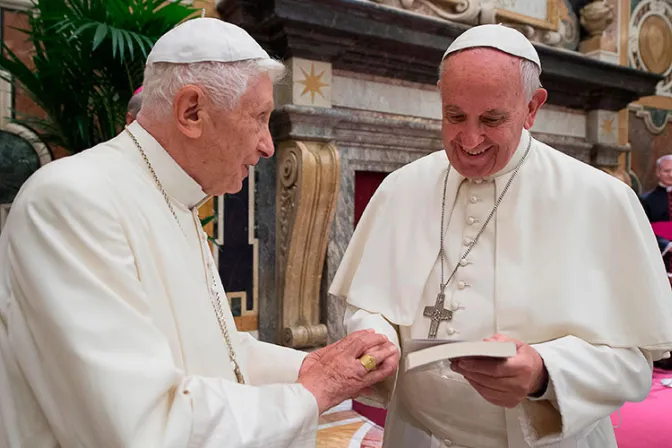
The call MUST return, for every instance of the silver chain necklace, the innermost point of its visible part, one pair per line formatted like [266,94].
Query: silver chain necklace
[438,313]
[216,302]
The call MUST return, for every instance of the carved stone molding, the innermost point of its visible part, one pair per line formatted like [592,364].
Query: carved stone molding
[463,11]
[559,29]
[606,155]
[308,176]
[596,17]
[366,37]
[645,114]
[357,128]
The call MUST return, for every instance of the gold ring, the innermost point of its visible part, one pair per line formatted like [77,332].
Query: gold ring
[369,362]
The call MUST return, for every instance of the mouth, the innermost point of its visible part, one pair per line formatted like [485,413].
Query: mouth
[475,152]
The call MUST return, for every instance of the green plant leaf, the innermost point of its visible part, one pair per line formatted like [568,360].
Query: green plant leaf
[88,60]
[101,33]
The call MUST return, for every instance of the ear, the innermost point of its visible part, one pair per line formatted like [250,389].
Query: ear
[538,100]
[188,110]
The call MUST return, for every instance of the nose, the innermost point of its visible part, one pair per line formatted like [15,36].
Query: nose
[471,136]
[266,147]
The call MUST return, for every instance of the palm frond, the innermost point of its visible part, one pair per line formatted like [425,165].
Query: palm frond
[88,60]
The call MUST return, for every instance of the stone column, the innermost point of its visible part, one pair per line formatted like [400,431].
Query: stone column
[301,187]
[602,133]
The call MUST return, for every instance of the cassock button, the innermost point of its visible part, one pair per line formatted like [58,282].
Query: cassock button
[467,241]
[463,262]
[461,285]
[447,442]
[454,306]
[471,220]
[451,330]
[473,199]
[478,181]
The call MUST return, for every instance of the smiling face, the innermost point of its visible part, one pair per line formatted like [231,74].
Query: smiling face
[484,110]
[664,171]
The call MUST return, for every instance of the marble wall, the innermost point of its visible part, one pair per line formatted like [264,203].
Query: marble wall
[379,125]
[384,124]
[649,47]
[648,144]
[357,158]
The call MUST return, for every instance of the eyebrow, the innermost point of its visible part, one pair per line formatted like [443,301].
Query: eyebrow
[494,112]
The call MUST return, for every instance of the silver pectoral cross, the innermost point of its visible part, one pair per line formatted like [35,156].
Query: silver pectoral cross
[437,314]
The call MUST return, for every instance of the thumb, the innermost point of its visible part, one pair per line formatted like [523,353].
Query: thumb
[501,338]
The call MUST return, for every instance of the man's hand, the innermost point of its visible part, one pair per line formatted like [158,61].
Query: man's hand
[505,382]
[334,373]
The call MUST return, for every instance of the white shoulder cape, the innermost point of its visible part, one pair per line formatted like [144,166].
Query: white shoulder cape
[575,254]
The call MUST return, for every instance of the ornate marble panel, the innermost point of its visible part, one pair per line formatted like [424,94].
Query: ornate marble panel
[650,42]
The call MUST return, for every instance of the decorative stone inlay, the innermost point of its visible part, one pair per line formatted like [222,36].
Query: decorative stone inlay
[650,43]
[310,84]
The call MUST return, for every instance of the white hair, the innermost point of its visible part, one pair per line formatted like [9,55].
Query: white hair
[529,76]
[662,159]
[223,82]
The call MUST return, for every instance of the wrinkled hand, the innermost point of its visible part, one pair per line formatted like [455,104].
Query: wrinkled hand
[334,373]
[505,382]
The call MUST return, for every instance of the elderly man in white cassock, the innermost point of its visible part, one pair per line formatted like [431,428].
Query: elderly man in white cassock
[114,327]
[507,236]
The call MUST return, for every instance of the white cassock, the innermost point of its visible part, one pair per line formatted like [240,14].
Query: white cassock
[108,337]
[569,265]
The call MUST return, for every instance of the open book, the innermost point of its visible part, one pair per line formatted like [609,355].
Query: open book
[421,352]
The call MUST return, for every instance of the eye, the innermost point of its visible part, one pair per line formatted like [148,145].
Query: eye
[489,121]
[455,118]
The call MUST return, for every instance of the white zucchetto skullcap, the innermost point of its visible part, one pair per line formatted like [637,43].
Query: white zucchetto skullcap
[205,40]
[500,37]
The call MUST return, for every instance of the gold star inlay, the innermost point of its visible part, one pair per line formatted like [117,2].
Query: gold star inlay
[608,126]
[312,83]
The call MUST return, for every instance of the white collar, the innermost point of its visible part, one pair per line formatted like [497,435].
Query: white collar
[179,186]
[513,162]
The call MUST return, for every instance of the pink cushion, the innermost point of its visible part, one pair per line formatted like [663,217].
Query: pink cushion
[647,424]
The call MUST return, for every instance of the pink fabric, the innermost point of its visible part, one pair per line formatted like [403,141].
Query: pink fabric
[138,91]
[662,229]
[647,424]
[376,415]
